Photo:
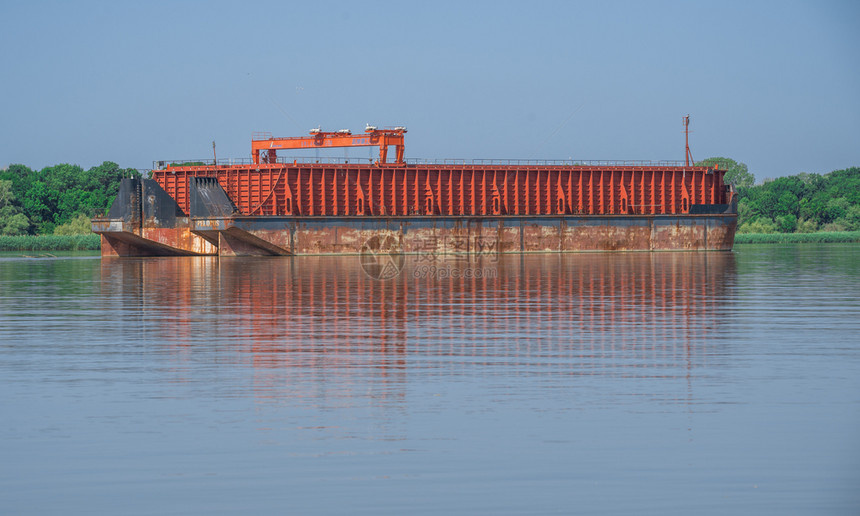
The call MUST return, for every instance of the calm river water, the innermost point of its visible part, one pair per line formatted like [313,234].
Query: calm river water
[666,383]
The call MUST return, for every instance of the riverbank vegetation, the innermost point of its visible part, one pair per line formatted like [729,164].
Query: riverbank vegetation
[57,200]
[819,237]
[89,242]
[802,203]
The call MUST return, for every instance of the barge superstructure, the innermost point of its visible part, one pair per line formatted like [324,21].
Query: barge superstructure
[273,205]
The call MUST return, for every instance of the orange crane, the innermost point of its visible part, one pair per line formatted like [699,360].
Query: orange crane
[343,138]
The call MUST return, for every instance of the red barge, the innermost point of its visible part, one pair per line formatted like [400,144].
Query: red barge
[272,205]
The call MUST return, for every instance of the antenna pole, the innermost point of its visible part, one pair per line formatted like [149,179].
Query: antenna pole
[214,156]
[688,156]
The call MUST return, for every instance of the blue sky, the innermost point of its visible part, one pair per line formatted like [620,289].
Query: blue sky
[773,84]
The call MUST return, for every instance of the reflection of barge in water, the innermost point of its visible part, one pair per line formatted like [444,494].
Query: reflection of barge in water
[273,206]
[629,315]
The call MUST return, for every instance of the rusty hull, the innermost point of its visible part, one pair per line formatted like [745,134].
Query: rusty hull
[120,238]
[273,235]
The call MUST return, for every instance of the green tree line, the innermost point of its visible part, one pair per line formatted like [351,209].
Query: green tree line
[802,203]
[56,200]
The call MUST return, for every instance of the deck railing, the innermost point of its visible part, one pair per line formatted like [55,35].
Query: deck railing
[161,164]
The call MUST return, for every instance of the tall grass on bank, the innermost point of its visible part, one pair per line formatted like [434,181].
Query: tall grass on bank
[89,242]
[822,237]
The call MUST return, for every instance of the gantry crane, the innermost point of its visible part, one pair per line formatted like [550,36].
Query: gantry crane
[343,138]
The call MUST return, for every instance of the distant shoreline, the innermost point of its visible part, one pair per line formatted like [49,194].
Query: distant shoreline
[821,237]
[91,242]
